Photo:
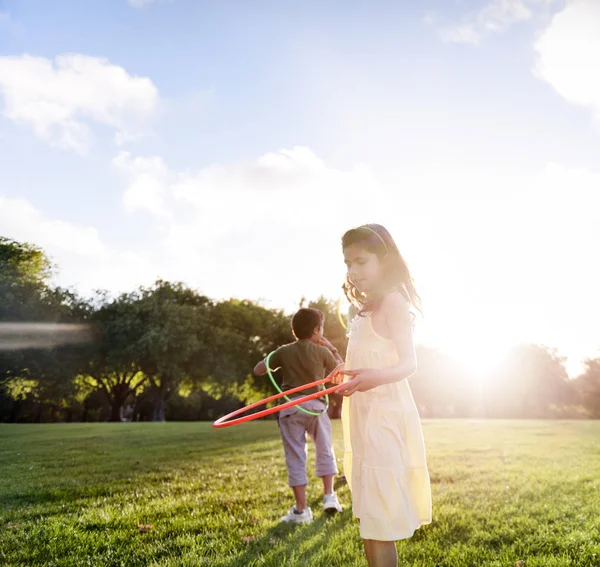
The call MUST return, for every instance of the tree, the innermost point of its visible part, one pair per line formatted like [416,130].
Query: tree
[24,274]
[530,380]
[588,385]
[163,338]
[33,360]
[174,325]
[112,365]
[24,261]
[239,334]
[441,387]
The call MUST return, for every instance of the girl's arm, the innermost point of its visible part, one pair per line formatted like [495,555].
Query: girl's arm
[399,322]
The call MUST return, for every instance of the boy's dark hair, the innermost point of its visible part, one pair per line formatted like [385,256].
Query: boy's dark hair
[305,321]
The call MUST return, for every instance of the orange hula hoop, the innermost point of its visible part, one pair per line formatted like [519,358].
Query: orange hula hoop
[227,420]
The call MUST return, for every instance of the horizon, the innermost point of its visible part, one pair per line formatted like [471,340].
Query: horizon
[233,156]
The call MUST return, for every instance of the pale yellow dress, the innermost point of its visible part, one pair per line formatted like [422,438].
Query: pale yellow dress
[384,458]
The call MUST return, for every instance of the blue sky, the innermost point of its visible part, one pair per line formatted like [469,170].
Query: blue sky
[201,140]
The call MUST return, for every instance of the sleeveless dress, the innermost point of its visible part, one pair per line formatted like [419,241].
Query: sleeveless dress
[384,458]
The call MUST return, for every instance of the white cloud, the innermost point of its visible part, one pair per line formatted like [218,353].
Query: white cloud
[60,99]
[492,18]
[568,54]
[21,220]
[84,261]
[269,175]
[228,221]
[464,33]
[147,187]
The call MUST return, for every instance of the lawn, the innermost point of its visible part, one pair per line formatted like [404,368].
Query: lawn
[74,494]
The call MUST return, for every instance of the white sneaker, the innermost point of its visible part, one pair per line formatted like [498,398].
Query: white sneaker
[331,503]
[292,517]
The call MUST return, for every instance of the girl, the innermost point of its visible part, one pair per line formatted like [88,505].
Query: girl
[384,459]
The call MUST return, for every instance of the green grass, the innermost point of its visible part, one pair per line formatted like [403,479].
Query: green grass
[73,494]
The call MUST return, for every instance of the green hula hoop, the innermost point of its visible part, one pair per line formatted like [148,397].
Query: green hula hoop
[300,408]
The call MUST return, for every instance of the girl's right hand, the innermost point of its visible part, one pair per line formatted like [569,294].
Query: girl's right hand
[361,380]
[338,377]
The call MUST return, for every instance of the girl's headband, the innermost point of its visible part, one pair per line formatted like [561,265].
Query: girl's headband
[377,234]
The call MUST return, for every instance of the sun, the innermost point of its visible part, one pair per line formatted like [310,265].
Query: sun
[478,356]
[476,343]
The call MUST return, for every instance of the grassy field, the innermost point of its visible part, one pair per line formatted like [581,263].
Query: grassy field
[73,494]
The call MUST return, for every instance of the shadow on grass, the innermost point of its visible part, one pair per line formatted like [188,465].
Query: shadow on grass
[21,501]
[282,541]
[118,479]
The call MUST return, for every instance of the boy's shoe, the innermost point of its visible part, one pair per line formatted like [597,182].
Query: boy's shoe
[292,517]
[331,503]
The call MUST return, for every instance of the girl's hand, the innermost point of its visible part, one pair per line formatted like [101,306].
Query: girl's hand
[361,380]
[338,377]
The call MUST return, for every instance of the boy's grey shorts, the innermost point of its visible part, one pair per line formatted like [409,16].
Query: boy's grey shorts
[294,425]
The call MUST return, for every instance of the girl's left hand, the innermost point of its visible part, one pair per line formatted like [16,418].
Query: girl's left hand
[361,380]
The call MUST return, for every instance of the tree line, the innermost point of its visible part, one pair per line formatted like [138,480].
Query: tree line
[169,352]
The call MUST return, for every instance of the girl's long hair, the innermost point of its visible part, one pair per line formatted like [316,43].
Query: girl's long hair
[376,239]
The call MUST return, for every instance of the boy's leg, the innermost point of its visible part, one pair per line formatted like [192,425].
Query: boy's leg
[325,466]
[328,484]
[319,430]
[300,496]
[293,435]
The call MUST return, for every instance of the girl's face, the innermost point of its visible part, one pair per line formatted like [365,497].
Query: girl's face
[364,268]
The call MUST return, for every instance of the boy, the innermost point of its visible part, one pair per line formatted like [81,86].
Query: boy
[311,357]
